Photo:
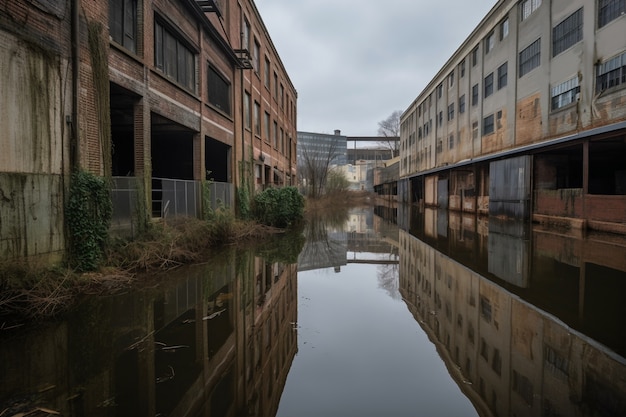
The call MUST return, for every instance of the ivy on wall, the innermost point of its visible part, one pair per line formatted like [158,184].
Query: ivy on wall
[88,215]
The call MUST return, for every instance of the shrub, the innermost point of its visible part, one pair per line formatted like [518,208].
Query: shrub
[279,207]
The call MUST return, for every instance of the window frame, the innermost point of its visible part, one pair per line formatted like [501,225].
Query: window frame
[488,85]
[609,10]
[529,58]
[223,100]
[567,33]
[162,60]
[564,94]
[119,22]
[503,75]
[489,126]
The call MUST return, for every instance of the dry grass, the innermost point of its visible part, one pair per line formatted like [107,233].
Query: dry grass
[30,291]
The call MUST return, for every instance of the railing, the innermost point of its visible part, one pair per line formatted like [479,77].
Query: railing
[170,198]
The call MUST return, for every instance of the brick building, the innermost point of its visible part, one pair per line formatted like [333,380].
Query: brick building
[527,118]
[159,94]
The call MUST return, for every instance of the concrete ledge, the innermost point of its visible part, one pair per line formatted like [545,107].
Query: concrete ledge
[579,224]
[556,221]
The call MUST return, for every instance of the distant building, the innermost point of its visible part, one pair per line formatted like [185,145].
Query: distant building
[527,118]
[322,145]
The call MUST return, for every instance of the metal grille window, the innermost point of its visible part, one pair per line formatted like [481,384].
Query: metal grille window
[565,93]
[451,112]
[123,23]
[528,7]
[609,10]
[488,126]
[567,33]
[489,85]
[530,58]
[462,104]
[611,73]
[502,75]
[173,57]
[219,91]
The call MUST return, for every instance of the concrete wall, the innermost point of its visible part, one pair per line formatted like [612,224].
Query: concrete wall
[35,101]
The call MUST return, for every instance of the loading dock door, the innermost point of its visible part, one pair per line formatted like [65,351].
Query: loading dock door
[509,187]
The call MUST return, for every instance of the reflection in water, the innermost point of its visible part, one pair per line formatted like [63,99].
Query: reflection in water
[214,339]
[530,322]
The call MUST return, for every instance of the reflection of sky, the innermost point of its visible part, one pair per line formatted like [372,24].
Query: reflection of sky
[361,353]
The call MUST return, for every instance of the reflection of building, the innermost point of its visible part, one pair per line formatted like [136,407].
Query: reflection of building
[206,342]
[526,118]
[553,346]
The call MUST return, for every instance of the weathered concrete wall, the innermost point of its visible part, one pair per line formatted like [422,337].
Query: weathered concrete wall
[32,129]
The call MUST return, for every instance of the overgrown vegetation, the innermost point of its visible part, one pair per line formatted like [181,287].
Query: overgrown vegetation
[88,216]
[279,207]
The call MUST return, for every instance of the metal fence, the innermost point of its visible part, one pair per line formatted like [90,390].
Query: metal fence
[170,198]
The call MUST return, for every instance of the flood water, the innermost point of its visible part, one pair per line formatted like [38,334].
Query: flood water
[372,312]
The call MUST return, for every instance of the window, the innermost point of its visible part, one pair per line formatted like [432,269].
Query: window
[439,90]
[282,97]
[218,90]
[450,146]
[567,33]
[528,7]
[502,75]
[609,10]
[611,73]
[257,118]
[474,130]
[246,110]
[488,128]
[474,94]
[440,119]
[275,132]
[256,56]
[245,36]
[488,85]
[462,68]
[173,57]
[475,56]
[275,86]
[565,93]
[462,104]
[504,28]
[451,79]
[490,42]
[266,122]
[123,23]
[266,73]
[451,112]
[530,58]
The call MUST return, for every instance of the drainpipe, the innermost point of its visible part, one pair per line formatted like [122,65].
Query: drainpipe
[74,145]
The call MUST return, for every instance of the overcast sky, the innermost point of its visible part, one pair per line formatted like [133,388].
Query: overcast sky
[354,62]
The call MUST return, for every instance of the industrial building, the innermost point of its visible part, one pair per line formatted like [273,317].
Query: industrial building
[161,96]
[527,118]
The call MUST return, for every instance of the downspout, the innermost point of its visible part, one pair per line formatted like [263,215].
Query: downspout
[74,145]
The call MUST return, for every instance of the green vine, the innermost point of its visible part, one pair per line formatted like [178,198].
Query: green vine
[100,67]
[243,192]
[88,215]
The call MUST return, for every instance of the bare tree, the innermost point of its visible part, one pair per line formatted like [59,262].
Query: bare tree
[314,165]
[390,128]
